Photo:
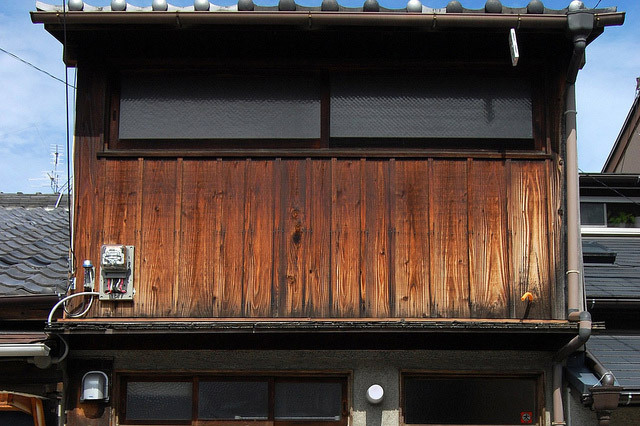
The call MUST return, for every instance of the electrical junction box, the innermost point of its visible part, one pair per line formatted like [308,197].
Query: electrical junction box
[116,272]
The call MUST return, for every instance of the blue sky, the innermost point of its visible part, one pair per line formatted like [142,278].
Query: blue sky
[32,104]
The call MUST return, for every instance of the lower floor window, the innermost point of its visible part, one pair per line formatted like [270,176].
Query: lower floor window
[222,399]
[470,399]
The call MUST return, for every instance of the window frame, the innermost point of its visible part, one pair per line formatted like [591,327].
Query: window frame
[538,144]
[537,376]
[270,378]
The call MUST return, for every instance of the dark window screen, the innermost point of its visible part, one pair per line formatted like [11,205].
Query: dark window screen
[308,401]
[406,106]
[469,400]
[188,106]
[233,400]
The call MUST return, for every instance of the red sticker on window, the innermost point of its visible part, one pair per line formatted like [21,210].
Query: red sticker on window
[526,417]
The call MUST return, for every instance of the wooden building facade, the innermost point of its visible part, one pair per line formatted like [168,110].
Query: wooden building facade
[386,185]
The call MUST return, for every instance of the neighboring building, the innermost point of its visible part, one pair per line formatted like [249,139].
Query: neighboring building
[610,204]
[34,252]
[291,209]
[625,154]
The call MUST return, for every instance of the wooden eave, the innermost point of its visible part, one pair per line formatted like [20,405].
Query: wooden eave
[133,325]
[301,334]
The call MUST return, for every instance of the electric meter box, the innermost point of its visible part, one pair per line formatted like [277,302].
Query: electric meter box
[116,272]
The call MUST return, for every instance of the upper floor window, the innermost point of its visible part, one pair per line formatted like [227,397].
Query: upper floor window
[201,106]
[401,106]
[325,108]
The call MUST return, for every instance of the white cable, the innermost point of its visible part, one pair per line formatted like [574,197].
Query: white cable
[57,305]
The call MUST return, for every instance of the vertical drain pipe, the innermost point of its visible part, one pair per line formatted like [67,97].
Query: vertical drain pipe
[580,23]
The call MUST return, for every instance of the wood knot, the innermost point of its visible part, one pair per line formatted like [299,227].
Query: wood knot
[297,235]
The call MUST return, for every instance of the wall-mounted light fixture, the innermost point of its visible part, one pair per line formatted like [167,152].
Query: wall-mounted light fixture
[375,394]
[95,386]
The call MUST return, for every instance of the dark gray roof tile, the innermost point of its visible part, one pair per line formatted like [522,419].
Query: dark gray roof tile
[620,279]
[34,240]
[620,354]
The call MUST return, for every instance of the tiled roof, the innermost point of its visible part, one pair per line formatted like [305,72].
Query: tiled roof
[620,354]
[34,241]
[617,280]
[413,6]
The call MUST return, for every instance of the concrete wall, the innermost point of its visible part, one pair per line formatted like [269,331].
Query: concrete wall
[365,367]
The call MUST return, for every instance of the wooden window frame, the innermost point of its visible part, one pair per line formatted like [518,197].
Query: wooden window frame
[537,376]
[270,378]
[538,144]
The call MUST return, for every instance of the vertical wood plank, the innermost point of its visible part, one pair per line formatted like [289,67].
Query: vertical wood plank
[177,246]
[233,176]
[155,294]
[88,174]
[556,262]
[293,235]
[411,255]
[449,287]
[528,229]
[120,215]
[258,241]
[376,245]
[318,262]
[490,294]
[199,254]
[345,225]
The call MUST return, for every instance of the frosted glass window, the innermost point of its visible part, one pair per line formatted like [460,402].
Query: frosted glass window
[308,401]
[233,400]
[195,106]
[409,106]
[159,400]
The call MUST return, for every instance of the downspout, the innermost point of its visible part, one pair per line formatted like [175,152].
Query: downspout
[580,23]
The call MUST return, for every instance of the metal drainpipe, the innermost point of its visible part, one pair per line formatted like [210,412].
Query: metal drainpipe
[580,23]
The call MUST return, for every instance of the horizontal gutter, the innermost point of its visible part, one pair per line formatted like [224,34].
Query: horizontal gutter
[24,350]
[311,19]
[594,302]
[28,300]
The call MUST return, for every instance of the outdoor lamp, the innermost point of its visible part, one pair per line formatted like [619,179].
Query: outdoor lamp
[375,394]
[95,386]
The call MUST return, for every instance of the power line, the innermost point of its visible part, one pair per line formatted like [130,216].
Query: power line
[33,66]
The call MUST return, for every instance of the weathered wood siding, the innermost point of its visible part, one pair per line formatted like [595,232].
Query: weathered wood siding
[327,237]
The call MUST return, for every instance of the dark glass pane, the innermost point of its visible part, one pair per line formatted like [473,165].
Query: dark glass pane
[233,400]
[469,400]
[410,106]
[592,214]
[159,400]
[188,106]
[308,401]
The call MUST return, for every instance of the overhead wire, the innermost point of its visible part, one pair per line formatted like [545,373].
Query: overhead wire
[24,61]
